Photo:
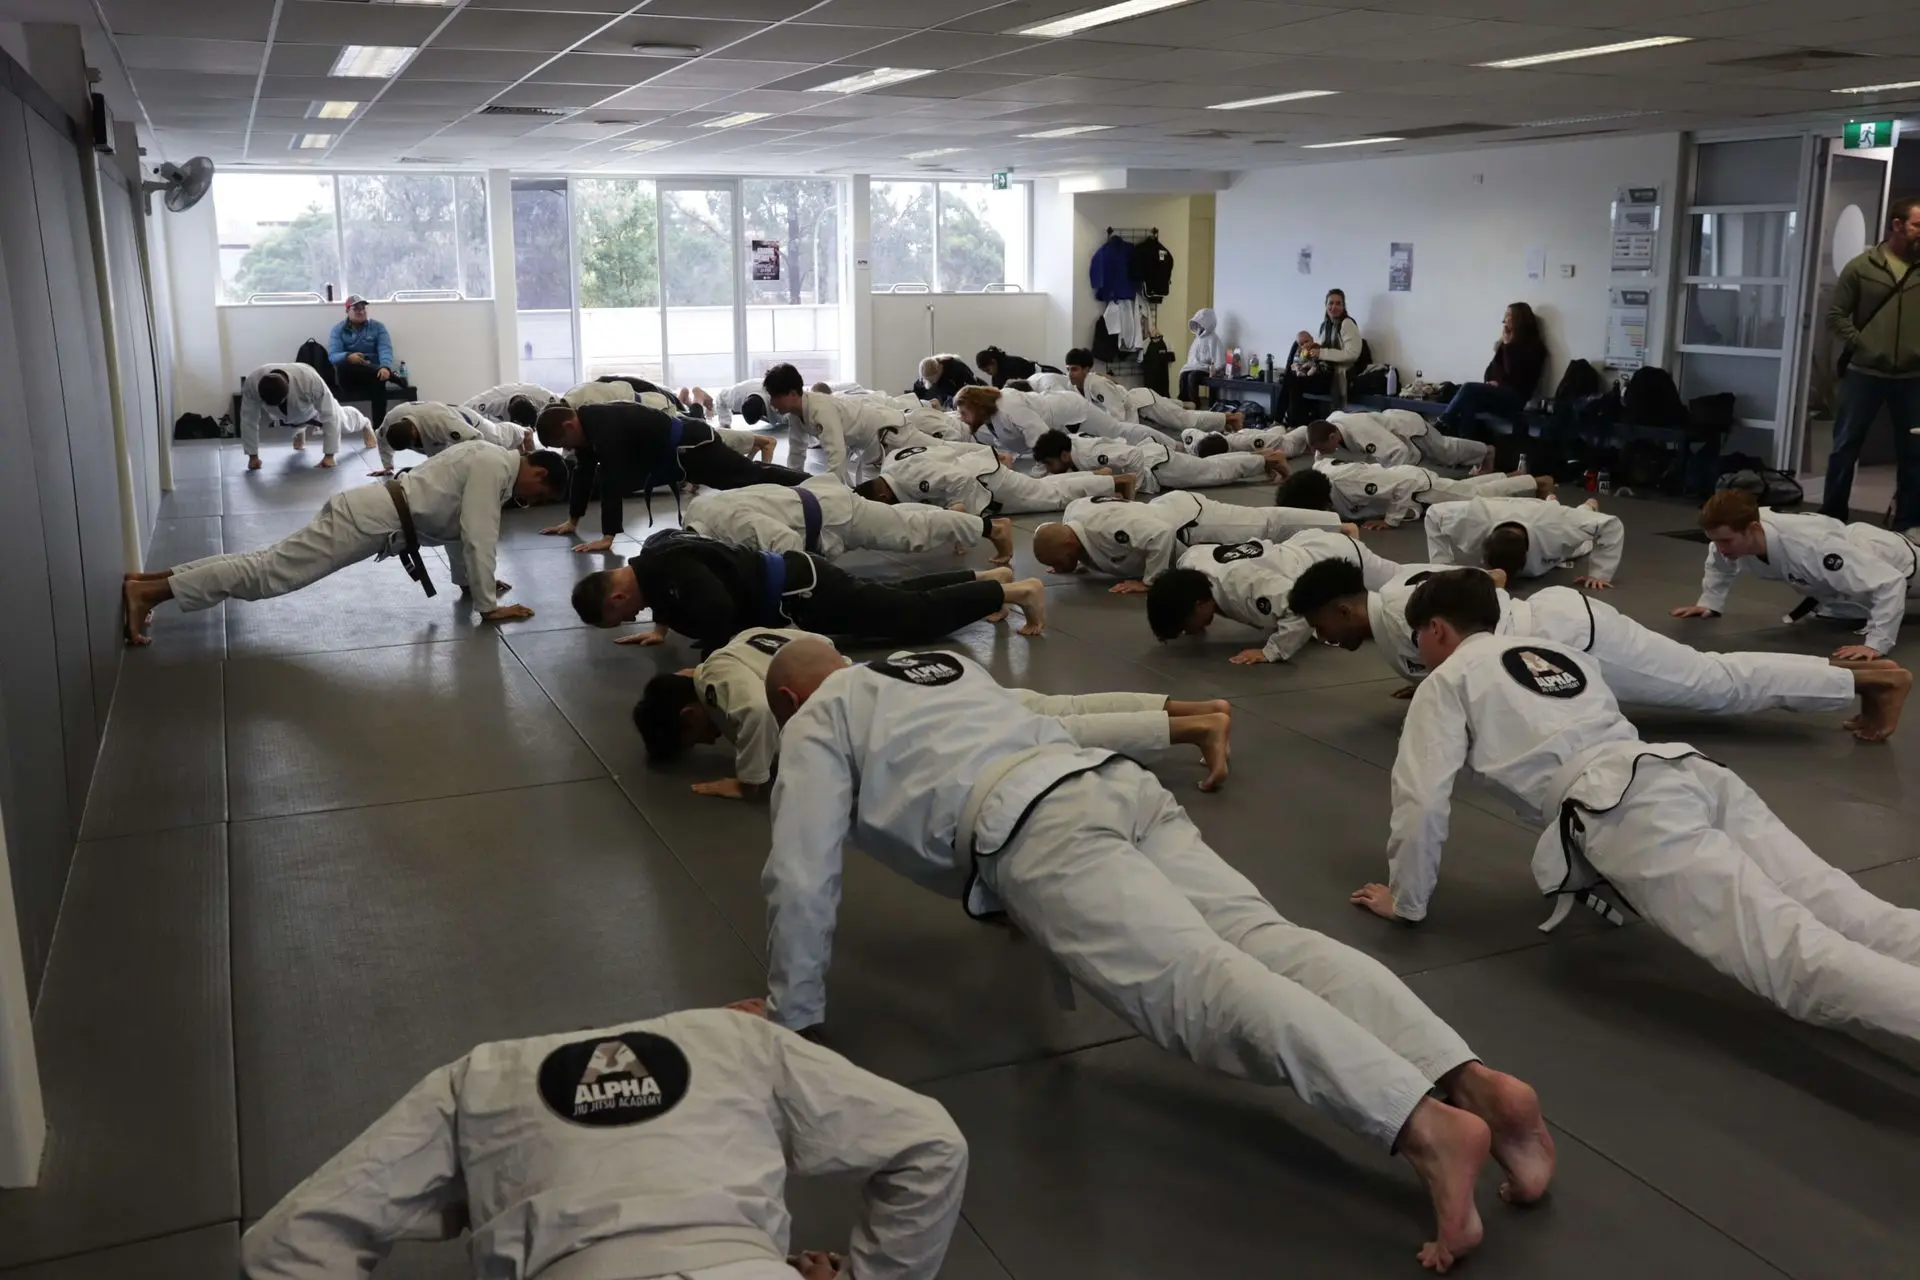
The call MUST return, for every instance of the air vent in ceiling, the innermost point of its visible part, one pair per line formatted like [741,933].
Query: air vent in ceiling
[1445,130]
[1794,60]
[426,160]
[1213,135]
[496,109]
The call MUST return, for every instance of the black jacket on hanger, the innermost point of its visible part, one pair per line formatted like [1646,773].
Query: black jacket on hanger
[1151,266]
[1156,359]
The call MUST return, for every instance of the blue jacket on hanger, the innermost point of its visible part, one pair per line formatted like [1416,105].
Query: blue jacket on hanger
[1110,273]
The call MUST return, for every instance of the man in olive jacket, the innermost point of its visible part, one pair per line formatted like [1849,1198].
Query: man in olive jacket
[1876,316]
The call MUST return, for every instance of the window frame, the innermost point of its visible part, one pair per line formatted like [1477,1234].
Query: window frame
[346,288]
[937,287]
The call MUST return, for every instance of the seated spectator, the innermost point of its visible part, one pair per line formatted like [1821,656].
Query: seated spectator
[362,355]
[1318,364]
[1205,357]
[1519,360]
[1002,368]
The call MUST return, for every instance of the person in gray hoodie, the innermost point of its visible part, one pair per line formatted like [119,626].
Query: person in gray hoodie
[1206,356]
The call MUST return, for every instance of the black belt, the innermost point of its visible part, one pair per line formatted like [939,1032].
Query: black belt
[410,550]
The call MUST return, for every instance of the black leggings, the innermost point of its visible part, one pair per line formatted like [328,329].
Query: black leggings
[1191,380]
[718,467]
[906,611]
[1297,387]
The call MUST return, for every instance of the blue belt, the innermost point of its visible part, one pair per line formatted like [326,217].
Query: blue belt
[810,516]
[775,588]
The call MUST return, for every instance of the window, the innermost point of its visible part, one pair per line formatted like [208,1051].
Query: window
[387,236]
[797,317]
[616,228]
[948,237]
[543,281]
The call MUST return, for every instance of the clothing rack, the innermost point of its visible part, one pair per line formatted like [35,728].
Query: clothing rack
[1133,235]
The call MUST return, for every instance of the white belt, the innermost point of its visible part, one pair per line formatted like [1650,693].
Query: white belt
[964,835]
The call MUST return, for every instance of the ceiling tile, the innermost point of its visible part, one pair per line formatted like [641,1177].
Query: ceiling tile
[306,60]
[706,34]
[570,96]
[194,84]
[721,73]
[650,97]
[801,42]
[621,71]
[323,88]
[1019,13]
[512,31]
[743,10]
[456,93]
[939,49]
[909,14]
[1058,57]
[279,108]
[188,19]
[339,22]
[231,57]
[436,63]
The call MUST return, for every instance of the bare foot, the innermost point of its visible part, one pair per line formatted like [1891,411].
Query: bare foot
[299,439]
[253,462]
[1591,504]
[328,461]
[1030,594]
[1522,1142]
[139,610]
[1543,485]
[368,439]
[1881,704]
[1499,577]
[147,577]
[1001,535]
[1216,748]
[1446,1147]
[1002,575]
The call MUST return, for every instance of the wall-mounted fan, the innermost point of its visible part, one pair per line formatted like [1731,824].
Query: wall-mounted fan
[186,185]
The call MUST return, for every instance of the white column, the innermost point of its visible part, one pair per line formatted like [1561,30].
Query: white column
[860,283]
[23,1122]
[506,292]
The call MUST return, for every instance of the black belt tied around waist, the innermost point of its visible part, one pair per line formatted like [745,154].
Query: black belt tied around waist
[410,549]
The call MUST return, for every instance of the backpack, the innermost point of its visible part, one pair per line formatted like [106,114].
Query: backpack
[313,354]
[1578,382]
[1373,382]
[1651,400]
[196,426]
[1773,488]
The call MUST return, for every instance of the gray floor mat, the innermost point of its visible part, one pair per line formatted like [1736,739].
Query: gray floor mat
[135,1037]
[1127,1163]
[373,945]
[1789,1139]
[192,1255]
[163,762]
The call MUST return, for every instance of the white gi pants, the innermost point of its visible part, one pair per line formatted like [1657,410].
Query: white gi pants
[1019,494]
[1467,488]
[348,417]
[908,526]
[351,527]
[1171,415]
[1442,450]
[1695,851]
[1134,724]
[1188,471]
[1110,875]
[1248,440]
[1100,423]
[1227,523]
[753,1269]
[1643,666]
[741,442]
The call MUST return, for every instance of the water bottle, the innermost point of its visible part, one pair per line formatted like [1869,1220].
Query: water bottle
[1393,381]
[1273,373]
[1522,468]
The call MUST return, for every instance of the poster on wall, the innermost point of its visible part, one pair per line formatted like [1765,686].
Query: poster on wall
[1627,328]
[1536,263]
[766,259]
[1304,263]
[1636,228]
[1400,268]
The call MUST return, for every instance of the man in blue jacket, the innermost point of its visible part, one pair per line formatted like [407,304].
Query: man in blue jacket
[362,355]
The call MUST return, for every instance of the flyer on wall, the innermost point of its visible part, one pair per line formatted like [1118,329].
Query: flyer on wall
[766,259]
[1400,268]
[1636,228]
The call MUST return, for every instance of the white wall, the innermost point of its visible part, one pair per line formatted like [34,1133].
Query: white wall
[1471,217]
[1057,271]
[449,347]
[190,243]
[963,323]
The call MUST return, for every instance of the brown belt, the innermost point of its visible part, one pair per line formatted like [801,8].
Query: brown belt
[410,552]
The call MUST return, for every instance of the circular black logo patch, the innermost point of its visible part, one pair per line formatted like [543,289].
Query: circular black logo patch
[926,486]
[613,1082]
[1372,489]
[1238,551]
[1263,604]
[908,452]
[1833,562]
[928,669]
[1102,460]
[766,642]
[1370,448]
[1120,536]
[1548,674]
[1259,444]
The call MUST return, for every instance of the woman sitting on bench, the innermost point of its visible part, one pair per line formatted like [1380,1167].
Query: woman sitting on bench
[1519,359]
[1318,365]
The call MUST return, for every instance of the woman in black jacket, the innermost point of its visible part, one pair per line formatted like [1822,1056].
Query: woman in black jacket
[1512,377]
[941,378]
[1004,368]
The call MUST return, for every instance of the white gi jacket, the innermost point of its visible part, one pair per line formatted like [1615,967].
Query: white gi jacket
[647,1149]
[728,401]
[1370,437]
[1387,614]
[309,404]
[1456,532]
[437,426]
[733,684]
[1251,581]
[1110,397]
[1856,564]
[1368,491]
[1532,718]
[491,404]
[1252,439]
[1126,539]
[771,517]
[599,393]
[889,754]
[1090,453]
[943,475]
[455,498]
[847,425]
[1044,381]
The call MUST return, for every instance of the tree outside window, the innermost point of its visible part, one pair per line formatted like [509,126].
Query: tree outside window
[952,237]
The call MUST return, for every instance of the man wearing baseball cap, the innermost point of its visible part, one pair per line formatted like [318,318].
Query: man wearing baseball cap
[362,354]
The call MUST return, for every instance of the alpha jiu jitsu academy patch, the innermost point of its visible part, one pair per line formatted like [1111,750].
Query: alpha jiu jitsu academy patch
[1238,551]
[1833,562]
[767,643]
[1547,674]
[930,670]
[613,1082]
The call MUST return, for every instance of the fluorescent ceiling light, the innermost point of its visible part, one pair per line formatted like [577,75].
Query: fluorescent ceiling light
[875,79]
[1067,132]
[738,118]
[1592,51]
[1296,96]
[372,61]
[653,50]
[645,144]
[937,151]
[1610,115]
[332,110]
[1078,22]
[313,141]
[1350,142]
[1880,88]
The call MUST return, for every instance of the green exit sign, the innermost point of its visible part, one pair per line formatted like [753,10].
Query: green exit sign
[1003,178]
[1864,134]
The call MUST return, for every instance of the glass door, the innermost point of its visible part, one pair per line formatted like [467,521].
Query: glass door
[543,269]
[701,268]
